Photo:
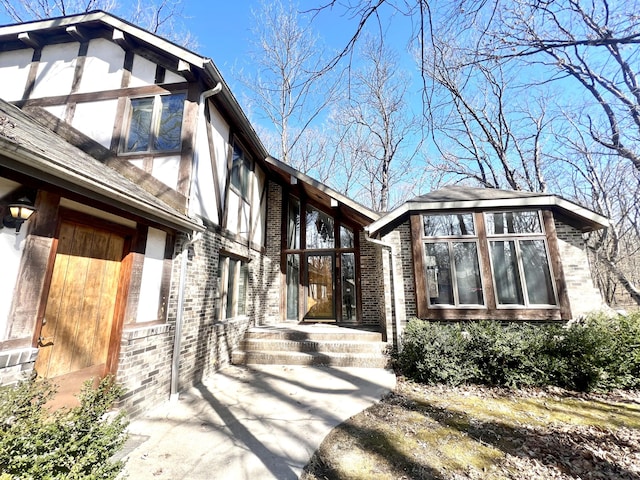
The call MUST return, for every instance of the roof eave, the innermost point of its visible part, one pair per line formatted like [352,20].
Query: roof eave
[592,220]
[373,216]
[35,165]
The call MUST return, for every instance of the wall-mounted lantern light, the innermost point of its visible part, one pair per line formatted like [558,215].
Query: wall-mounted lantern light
[19,212]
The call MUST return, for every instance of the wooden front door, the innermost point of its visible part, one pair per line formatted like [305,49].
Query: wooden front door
[81,307]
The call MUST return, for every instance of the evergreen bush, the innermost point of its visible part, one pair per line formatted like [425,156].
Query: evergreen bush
[597,353]
[76,443]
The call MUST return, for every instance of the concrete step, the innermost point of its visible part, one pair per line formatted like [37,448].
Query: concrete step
[313,333]
[317,344]
[240,357]
[320,346]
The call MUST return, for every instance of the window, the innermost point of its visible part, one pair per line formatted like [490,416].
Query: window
[519,259]
[322,265]
[240,169]
[233,282]
[320,232]
[154,124]
[451,261]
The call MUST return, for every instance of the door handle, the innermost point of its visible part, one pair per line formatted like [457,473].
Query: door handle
[42,340]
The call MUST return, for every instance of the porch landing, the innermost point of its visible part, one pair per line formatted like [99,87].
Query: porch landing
[311,344]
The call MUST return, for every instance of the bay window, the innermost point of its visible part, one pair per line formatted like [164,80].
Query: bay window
[480,262]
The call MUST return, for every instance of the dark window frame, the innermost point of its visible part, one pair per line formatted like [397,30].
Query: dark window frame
[491,309]
[154,125]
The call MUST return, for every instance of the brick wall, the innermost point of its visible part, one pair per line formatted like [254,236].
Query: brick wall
[144,368]
[270,277]
[372,283]
[584,297]
[206,343]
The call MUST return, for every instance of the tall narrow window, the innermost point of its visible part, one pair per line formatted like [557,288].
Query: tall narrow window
[233,283]
[519,258]
[240,172]
[154,124]
[452,268]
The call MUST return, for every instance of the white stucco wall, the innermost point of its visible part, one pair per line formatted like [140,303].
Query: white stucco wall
[11,247]
[170,77]
[151,281]
[96,119]
[220,135]
[102,67]
[56,70]
[143,72]
[166,169]
[259,208]
[203,197]
[14,70]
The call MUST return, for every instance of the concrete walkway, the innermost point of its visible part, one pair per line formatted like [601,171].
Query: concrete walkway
[257,422]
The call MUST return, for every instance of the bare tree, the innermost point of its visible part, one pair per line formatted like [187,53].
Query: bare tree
[162,18]
[479,125]
[378,135]
[288,89]
[586,56]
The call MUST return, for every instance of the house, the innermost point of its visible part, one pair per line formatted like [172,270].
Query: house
[164,230]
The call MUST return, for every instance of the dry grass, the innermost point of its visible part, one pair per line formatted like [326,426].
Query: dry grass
[421,432]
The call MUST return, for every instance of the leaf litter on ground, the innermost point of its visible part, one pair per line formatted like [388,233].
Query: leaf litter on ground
[472,432]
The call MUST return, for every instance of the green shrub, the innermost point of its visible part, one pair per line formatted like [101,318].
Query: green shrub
[75,443]
[598,353]
[433,353]
[505,355]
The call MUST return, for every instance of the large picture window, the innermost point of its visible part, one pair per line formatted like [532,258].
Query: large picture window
[451,262]
[519,259]
[154,124]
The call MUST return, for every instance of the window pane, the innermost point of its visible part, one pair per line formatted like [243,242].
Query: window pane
[467,270]
[231,292]
[293,280]
[505,273]
[537,273]
[448,225]
[243,284]
[438,269]
[319,229]
[513,222]
[240,172]
[170,128]
[348,286]
[293,226]
[139,125]
[320,286]
[346,238]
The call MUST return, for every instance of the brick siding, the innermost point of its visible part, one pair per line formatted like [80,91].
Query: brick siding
[584,297]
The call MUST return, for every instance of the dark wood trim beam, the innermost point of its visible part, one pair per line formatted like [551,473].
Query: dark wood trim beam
[30,40]
[33,72]
[418,265]
[119,37]
[556,265]
[105,95]
[485,262]
[184,69]
[78,34]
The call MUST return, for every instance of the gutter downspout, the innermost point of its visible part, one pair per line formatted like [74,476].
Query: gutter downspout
[395,327]
[177,340]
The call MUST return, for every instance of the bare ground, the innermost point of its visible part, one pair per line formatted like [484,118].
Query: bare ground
[423,432]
